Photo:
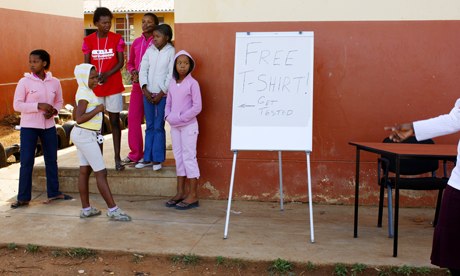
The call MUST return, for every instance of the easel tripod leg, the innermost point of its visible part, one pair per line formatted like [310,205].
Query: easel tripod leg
[230,192]
[310,200]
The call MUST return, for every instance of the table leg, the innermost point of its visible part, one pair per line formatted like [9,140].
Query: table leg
[396,217]
[355,232]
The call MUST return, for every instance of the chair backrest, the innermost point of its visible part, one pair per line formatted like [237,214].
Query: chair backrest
[412,167]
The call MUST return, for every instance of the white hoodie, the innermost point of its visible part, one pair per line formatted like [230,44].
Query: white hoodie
[156,68]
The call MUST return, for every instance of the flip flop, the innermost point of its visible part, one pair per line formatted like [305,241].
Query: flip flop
[173,202]
[64,197]
[185,206]
[18,204]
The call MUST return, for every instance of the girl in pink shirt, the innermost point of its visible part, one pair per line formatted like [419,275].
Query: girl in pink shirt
[38,97]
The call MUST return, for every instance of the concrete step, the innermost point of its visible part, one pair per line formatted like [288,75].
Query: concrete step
[131,181]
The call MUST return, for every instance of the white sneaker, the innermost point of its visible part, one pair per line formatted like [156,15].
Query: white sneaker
[141,165]
[90,213]
[157,167]
[118,215]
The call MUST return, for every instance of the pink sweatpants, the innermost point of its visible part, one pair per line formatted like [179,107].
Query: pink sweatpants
[135,117]
[184,140]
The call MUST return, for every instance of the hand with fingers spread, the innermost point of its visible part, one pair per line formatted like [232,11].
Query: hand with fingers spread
[401,132]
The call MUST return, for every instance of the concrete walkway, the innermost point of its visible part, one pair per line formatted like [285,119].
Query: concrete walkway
[258,231]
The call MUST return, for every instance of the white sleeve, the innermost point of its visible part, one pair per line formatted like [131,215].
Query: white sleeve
[144,70]
[439,126]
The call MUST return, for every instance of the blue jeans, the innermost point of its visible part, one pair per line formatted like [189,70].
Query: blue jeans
[155,135]
[29,138]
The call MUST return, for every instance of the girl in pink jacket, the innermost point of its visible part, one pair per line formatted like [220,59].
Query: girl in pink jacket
[38,97]
[183,104]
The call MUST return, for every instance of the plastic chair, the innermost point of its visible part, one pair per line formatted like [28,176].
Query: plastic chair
[408,170]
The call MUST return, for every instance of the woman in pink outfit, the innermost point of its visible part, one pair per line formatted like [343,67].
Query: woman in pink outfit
[136,104]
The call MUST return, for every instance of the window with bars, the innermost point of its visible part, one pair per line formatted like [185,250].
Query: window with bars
[124,27]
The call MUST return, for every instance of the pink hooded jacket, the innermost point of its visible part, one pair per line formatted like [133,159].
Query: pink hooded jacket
[29,92]
[183,102]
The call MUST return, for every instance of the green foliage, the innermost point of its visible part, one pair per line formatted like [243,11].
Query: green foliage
[422,270]
[176,259]
[220,260]
[81,253]
[189,259]
[310,266]
[383,273]
[12,246]
[403,270]
[126,76]
[32,248]
[340,270]
[281,266]
[358,268]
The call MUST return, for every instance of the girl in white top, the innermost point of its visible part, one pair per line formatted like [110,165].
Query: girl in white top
[84,135]
[154,77]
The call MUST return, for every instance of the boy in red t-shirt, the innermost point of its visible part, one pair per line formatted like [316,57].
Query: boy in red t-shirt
[105,49]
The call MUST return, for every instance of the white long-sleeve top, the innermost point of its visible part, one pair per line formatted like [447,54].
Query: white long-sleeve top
[439,126]
[156,68]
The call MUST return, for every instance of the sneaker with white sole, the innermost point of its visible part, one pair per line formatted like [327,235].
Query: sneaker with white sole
[142,165]
[118,215]
[90,213]
[157,167]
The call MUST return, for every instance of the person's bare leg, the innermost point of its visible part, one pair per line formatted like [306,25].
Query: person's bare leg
[116,136]
[83,181]
[180,194]
[192,195]
[103,187]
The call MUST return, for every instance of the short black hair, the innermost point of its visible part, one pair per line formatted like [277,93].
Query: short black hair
[155,18]
[101,11]
[165,29]
[192,65]
[43,55]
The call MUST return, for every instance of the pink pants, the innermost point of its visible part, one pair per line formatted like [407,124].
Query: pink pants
[184,140]
[135,117]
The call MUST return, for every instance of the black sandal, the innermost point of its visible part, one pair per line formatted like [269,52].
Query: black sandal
[18,204]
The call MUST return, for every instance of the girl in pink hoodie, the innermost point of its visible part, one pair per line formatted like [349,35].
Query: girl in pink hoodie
[183,104]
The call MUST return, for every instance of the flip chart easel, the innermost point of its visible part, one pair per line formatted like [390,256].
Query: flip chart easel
[273,100]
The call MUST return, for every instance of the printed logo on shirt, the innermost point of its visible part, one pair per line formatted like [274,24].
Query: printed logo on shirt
[102,54]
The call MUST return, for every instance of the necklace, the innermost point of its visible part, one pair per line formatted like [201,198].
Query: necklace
[100,62]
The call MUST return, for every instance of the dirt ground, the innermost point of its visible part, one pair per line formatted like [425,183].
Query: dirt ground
[34,260]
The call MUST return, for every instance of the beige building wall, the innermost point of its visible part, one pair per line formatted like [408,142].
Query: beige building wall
[68,8]
[137,31]
[192,11]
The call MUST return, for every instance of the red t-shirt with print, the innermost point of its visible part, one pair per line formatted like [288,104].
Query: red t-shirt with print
[103,53]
